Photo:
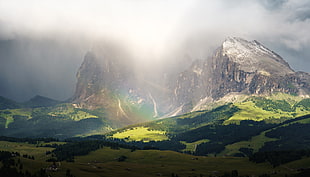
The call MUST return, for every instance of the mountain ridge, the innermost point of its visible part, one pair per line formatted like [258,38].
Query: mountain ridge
[237,66]
[111,94]
[207,81]
[40,101]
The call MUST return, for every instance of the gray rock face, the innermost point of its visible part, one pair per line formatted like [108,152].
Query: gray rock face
[256,70]
[238,66]
[252,56]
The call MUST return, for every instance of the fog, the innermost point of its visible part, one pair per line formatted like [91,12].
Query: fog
[42,43]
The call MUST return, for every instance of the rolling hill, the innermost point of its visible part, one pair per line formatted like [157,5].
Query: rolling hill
[278,122]
[27,159]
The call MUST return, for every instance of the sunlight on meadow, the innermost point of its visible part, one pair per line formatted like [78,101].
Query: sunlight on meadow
[141,134]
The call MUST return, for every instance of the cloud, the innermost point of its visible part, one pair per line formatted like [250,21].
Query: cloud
[273,4]
[152,30]
[149,24]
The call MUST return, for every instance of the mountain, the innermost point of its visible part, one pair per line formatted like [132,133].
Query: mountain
[112,92]
[40,101]
[8,104]
[109,85]
[237,68]
[243,101]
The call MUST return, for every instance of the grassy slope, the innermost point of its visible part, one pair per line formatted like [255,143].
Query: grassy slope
[62,120]
[191,147]
[6,103]
[158,130]
[252,110]
[258,141]
[249,109]
[62,110]
[67,110]
[9,113]
[152,162]
[254,143]
[103,162]
[24,148]
[141,134]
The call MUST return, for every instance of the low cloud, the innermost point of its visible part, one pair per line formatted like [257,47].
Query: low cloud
[37,32]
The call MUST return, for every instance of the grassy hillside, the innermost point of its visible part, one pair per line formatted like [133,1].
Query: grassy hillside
[280,106]
[141,134]
[8,104]
[125,162]
[10,114]
[249,125]
[62,120]
[54,120]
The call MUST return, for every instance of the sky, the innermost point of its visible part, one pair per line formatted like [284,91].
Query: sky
[43,42]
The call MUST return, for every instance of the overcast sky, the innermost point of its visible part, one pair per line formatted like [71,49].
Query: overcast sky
[42,43]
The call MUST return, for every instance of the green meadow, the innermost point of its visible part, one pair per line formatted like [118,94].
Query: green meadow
[145,163]
[141,134]
[191,147]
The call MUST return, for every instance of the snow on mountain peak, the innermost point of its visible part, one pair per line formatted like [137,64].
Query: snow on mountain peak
[243,48]
[253,56]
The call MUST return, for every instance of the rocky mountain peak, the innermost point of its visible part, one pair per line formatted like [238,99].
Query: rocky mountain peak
[237,67]
[253,56]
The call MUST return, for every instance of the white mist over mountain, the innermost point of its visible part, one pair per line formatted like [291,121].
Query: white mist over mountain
[44,42]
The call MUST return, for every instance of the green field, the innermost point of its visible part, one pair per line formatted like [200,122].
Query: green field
[141,134]
[67,110]
[163,163]
[249,110]
[61,110]
[254,143]
[10,113]
[24,148]
[191,147]
[221,125]
[271,110]
[144,163]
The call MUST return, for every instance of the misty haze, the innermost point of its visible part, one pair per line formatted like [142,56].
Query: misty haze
[43,43]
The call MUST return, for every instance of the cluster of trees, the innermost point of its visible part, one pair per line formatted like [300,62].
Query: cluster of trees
[80,146]
[219,113]
[233,173]
[293,143]
[28,140]
[15,169]
[305,103]
[293,136]
[222,135]
[183,123]
[76,148]
[160,145]
[68,173]
[172,144]
[277,158]
[273,105]
[28,156]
